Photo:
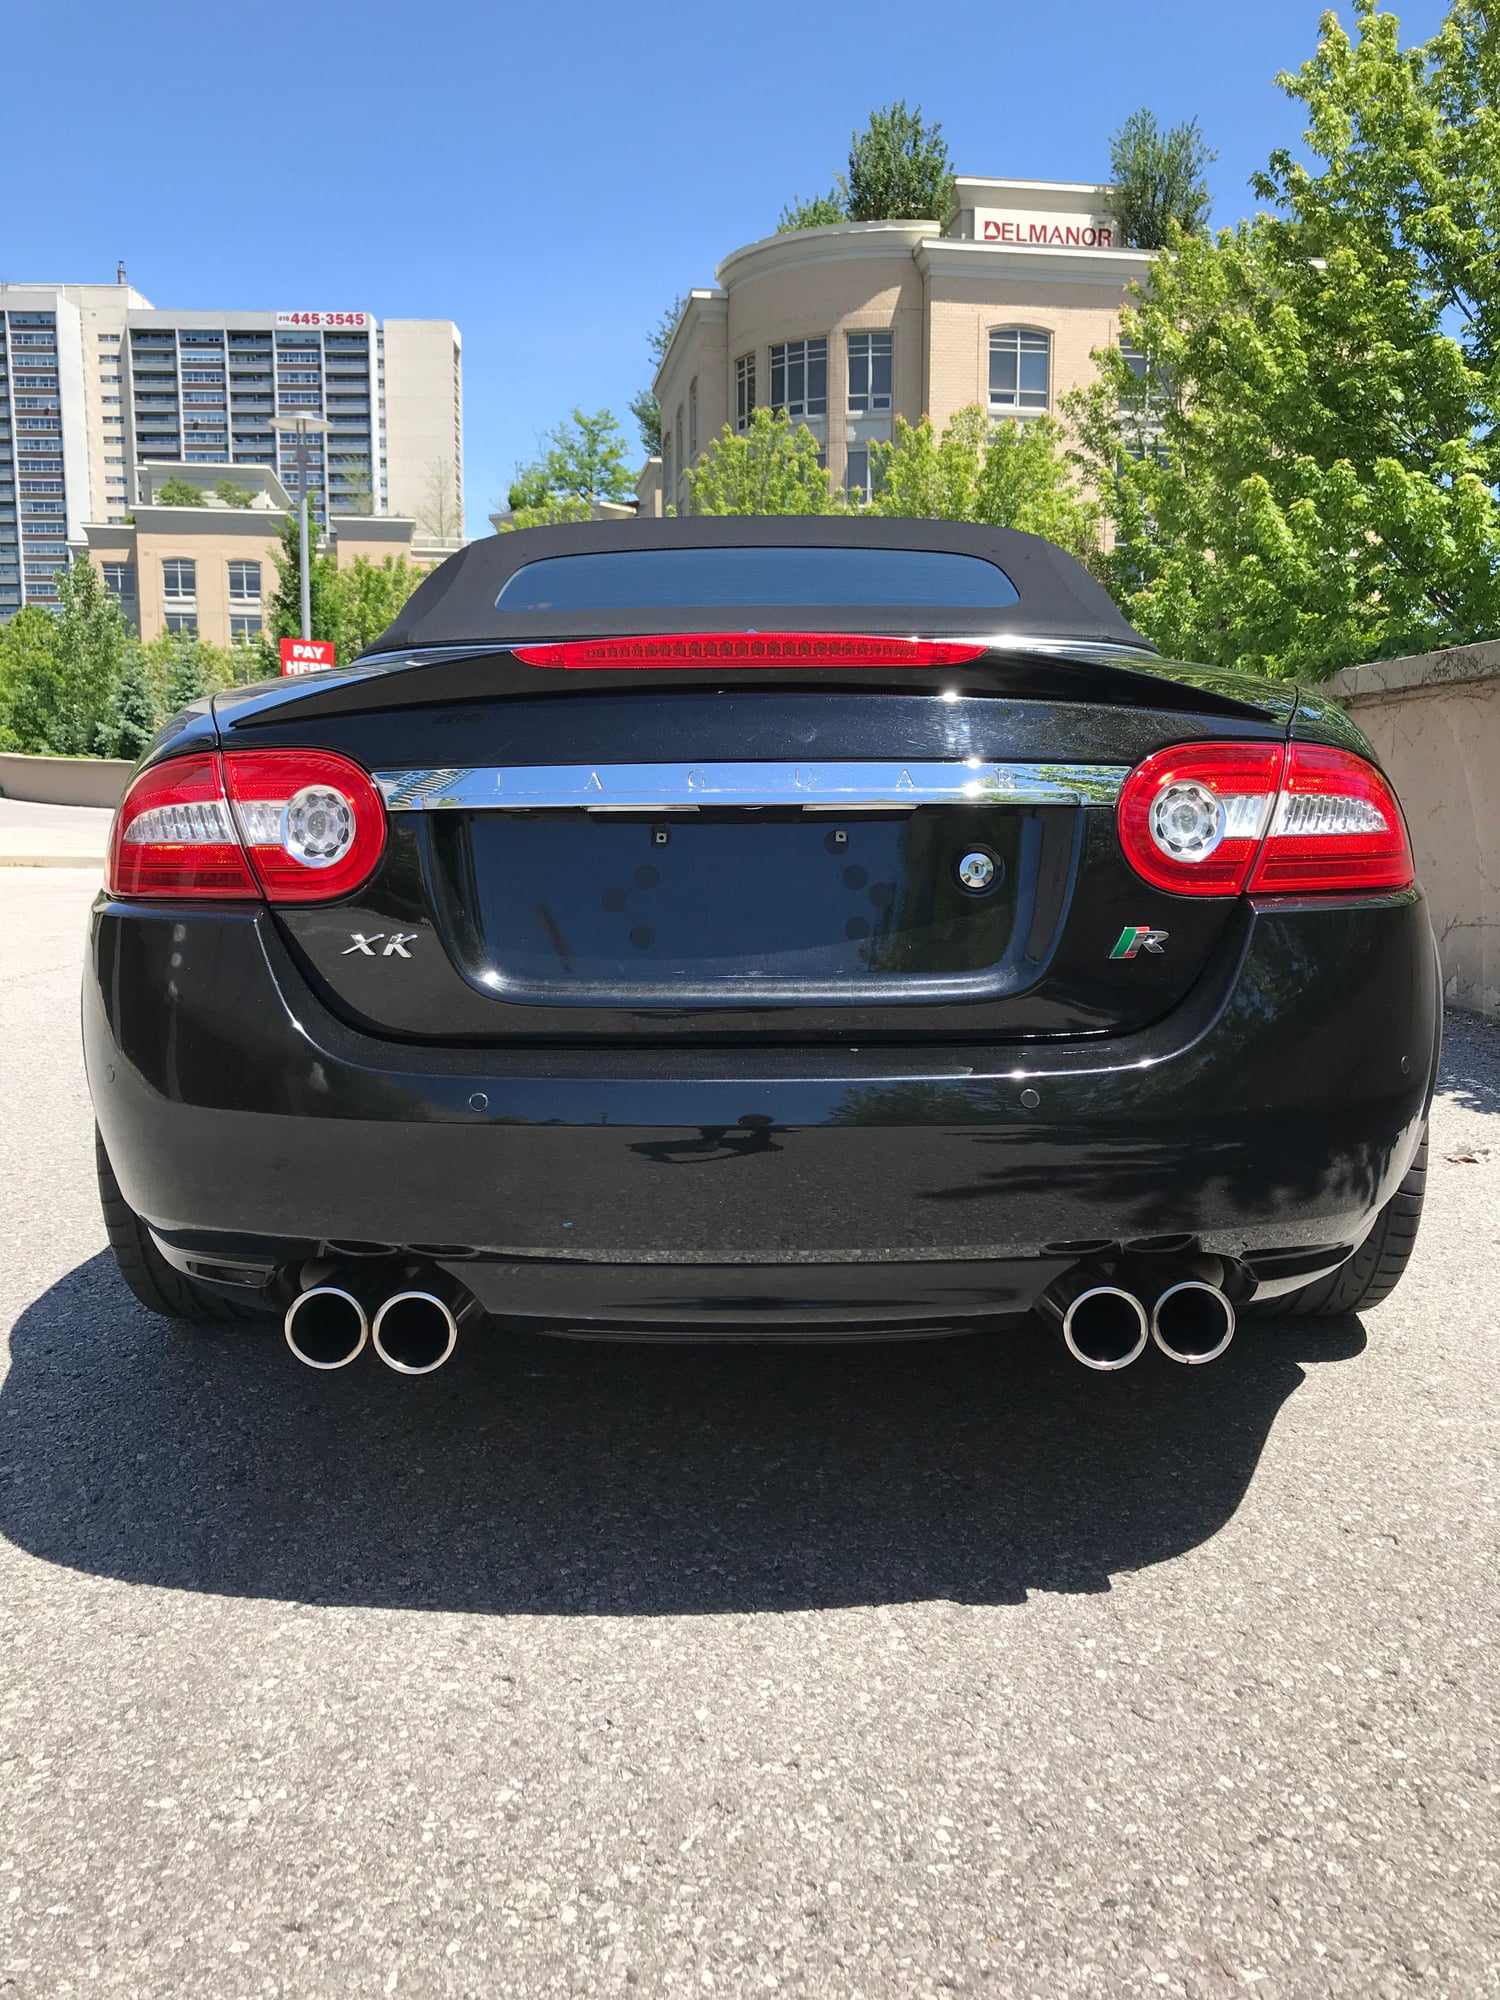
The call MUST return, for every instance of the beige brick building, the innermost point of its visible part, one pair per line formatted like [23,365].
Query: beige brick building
[210,569]
[851,326]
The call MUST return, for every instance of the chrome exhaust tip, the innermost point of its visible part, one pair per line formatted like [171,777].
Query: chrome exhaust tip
[1103,1326]
[414,1332]
[326,1327]
[1192,1322]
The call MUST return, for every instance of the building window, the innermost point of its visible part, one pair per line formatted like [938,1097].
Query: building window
[243,627]
[693,421]
[1020,369]
[179,579]
[1140,415]
[862,473]
[744,391]
[799,378]
[183,621]
[119,580]
[667,446]
[203,375]
[869,374]
[681,436]
[244,582]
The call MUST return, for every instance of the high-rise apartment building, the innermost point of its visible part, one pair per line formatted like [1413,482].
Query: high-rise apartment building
[101,395]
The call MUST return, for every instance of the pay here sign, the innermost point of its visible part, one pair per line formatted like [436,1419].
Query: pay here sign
[306,656]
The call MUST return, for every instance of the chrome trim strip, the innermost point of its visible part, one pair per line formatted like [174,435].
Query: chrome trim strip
[838,787]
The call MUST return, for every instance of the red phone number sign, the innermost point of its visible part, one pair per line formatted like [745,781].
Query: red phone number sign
[322,319]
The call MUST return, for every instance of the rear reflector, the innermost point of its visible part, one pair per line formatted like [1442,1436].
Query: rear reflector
[297,826]
[749,649]
[1214,819]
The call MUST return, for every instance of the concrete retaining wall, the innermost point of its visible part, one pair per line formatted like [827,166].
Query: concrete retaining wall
[1435,722]
[63,781]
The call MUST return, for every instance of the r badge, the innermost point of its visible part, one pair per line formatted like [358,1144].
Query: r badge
[1138,937]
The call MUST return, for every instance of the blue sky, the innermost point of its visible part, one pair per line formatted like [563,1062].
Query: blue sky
[510,167]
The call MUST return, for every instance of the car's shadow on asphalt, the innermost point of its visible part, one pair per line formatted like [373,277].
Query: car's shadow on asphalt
[545,1476]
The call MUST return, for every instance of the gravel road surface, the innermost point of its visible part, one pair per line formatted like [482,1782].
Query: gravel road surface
[925,1670]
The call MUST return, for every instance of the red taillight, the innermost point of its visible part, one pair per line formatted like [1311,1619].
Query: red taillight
[297,826]
[749,649]
[1337,826]
[313,822]
[1214,819]
[1191,818]
[174,835]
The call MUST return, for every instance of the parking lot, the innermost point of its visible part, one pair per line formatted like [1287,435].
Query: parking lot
[914,1670]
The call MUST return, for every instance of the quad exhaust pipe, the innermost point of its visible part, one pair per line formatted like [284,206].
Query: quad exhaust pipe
[326,1327]
[1106,1324]
[1102,1325]
[329,1324]
[1192,1321]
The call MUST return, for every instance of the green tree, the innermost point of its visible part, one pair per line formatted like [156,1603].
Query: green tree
[1009,474]
[584,462]
[643,404]
[133,718]
[367,597]
[283,615]
[180,493]
[770,468]
[28,659]
[898,169]
[179,667]
[187,676]
[1301,457]
[357,495]
[231,493]
[64,690]
[1159,180]
[811,212]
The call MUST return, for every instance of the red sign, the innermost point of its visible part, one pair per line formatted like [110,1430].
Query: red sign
[313,319]
[306,656]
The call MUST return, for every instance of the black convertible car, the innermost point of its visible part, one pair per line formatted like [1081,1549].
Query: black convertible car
[753,929]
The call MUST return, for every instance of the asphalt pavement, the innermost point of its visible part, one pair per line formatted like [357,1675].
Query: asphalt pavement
[923,1670]
[34,835]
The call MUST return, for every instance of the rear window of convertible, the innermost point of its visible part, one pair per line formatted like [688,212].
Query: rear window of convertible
[706,579]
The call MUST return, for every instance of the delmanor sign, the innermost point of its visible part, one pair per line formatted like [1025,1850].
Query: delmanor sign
[1072,232]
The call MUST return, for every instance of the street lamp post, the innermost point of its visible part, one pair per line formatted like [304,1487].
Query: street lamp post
[305,424]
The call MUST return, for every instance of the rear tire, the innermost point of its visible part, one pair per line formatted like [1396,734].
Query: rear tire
[159,1287]
[1377,1266]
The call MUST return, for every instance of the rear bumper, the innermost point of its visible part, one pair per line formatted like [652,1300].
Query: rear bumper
[1267,1119]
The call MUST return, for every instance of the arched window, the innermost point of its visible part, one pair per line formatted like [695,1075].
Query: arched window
[1020,370]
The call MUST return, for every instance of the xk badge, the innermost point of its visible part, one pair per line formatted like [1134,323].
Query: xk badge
[395,944]
[1138,937]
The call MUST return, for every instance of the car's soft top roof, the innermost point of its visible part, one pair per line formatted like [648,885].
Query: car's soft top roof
[1057,599]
